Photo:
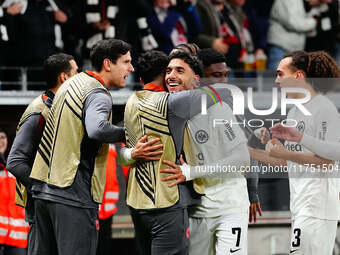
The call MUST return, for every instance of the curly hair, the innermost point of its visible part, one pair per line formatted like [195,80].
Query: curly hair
[193,61]
[151,64]
[323,71]
[320,69]
[191,48]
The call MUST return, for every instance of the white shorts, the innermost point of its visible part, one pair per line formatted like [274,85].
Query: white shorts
[312,236]
[225,234]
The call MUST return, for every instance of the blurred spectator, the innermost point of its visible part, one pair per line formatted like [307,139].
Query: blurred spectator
[258,12]
[173,24]
[289,25]
[32,33]
[324,36]
[225,29]
[3,34]
[14,229]
[210,35]
[337,42]
[99,19]
[3,146]
[137,31]
[69,40]
[235,33]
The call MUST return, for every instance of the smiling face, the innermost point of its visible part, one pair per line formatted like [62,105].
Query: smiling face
[120,70]
[179,76]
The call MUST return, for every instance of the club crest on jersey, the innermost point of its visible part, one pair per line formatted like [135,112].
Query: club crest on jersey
[301,126]
[201,136]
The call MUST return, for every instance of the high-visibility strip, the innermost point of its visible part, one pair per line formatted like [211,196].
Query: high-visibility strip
[18,222]
[3,232]
[3,174]
[4,220]
[18,235]
[111,195]
[10,175]
[109,207]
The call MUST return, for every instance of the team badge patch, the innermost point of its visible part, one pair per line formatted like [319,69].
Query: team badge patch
[301,126]
[201,136]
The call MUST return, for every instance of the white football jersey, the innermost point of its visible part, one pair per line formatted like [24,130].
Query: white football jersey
[318,196]
[213,140]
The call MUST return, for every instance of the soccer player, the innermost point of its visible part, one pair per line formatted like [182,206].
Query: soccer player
[159,209]
[219,224]
[58,68]
[314,199]
[70,163]
[216,70]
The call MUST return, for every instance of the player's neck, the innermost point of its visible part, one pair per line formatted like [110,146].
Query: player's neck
[159,81]
[312,92]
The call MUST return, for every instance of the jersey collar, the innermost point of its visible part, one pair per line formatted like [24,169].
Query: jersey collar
[96,77]
[153,87]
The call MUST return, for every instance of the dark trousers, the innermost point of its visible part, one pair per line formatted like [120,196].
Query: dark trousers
[105,237]
[63,230]
[162,233]
[10,250]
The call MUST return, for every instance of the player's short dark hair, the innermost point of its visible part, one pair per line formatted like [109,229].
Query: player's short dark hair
[109,48]
[54,65]
[300,60]
[193,61]
[211,56]
[151,64]
[3,131]
[191,48]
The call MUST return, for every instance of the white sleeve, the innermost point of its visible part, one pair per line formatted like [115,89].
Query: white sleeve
[228,167]
[327,150]
[324,142]
[124,156]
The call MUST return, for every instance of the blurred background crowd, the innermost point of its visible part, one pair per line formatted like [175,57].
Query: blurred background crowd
[253,34]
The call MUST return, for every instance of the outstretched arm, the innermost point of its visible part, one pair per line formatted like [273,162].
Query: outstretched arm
[328,150]
[238,159]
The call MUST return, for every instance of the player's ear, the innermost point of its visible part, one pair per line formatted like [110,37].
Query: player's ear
[62,77]
[300,74]
[106,65]
[196,81]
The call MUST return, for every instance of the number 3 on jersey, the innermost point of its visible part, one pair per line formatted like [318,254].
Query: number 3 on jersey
[297,241]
